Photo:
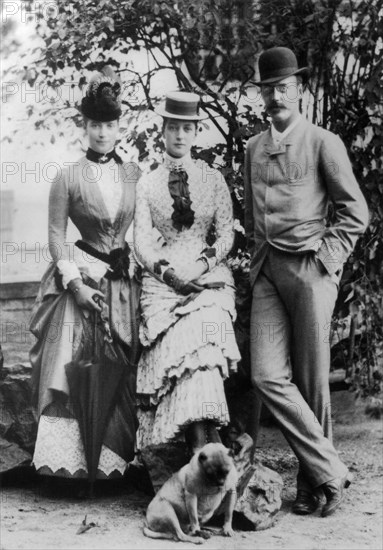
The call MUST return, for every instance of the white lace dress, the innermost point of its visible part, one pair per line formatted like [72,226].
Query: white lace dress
[189,342]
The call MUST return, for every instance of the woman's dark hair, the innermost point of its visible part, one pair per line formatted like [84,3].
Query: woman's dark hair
[166,120]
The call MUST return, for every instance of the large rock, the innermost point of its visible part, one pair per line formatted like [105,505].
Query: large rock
[18,425]
[259,496]
[12,456]
[259,489]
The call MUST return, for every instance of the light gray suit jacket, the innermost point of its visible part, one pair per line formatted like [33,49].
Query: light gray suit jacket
[288,189]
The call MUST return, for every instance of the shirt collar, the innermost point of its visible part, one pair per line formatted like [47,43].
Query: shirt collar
[279,136]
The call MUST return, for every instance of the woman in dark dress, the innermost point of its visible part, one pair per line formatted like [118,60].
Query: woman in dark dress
[98,194]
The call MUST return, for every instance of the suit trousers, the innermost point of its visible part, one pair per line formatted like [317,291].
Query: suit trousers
[293,302]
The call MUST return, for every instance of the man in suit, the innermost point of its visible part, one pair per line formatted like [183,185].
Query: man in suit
[292,172]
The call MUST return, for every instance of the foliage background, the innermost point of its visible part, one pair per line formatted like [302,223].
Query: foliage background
[211,47]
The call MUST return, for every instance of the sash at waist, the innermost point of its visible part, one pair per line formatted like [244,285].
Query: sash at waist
[117,259]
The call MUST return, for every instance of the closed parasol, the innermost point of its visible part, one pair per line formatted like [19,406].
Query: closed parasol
[94,381]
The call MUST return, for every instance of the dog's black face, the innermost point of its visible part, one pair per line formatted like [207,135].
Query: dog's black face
[217,476]
[216,467]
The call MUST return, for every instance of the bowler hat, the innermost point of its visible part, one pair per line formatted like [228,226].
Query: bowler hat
[180,105]
[278,63]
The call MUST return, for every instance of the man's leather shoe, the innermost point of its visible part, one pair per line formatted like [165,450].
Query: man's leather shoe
[305,503]
[334,493]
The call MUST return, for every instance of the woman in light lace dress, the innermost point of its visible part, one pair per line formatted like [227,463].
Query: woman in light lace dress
[187,296]
[98,194]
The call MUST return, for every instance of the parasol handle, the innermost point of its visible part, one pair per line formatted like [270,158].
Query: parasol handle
[96,298]
[104,322]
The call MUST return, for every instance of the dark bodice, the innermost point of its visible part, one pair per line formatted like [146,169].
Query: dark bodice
[76,195]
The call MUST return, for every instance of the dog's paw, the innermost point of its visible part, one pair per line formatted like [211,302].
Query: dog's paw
[227,531]
[204,534]
[196,537]
[197,533]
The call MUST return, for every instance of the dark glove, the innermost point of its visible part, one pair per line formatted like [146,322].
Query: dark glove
[172,280]
[189,288]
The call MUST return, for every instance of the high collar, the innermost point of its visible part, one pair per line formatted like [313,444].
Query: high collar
[279,136]
[178,164]
[103,158]
[273,148]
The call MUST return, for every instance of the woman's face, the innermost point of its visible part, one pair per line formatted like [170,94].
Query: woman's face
[102,135]
[179,136]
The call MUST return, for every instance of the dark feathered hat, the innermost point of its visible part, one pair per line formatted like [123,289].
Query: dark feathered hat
[101,101]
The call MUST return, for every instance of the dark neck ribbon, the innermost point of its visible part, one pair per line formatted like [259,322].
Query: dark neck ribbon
[183,215]
[103,158]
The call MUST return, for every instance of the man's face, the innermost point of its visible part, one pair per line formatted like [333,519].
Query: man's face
[282,101]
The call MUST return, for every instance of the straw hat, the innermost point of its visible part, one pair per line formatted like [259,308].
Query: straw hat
[180,105]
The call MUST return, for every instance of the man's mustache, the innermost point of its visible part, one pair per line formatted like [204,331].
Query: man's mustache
[275,105]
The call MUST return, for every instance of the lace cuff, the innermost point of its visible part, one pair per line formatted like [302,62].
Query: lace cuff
[68,270]
[160,267]
[209,257]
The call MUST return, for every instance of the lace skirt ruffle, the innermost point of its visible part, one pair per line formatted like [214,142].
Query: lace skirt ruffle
[203,339]
[59,450]
[200,396]
[192,349]
[162,306]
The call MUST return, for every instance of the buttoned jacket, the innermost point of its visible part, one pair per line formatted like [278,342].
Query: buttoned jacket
[288,189]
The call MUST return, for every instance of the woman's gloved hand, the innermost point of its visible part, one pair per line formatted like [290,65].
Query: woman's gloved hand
[85,296]
[179,285]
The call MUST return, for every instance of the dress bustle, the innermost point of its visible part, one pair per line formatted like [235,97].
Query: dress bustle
[102,217]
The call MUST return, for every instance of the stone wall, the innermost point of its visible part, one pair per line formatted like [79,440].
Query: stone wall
[17,421]
[16,301]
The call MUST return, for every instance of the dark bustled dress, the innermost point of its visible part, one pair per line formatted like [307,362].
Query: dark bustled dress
[99,199]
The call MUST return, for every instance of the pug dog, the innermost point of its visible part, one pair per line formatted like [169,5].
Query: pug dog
[191,496]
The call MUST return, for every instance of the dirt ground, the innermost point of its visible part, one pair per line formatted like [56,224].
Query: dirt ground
[36,516]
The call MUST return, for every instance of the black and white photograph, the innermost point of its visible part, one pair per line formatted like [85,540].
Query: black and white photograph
[191,280]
